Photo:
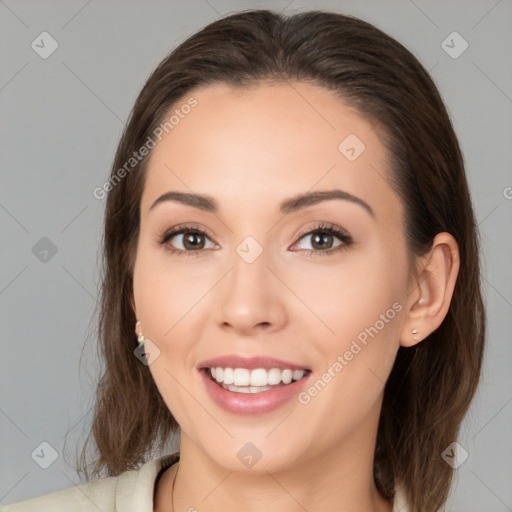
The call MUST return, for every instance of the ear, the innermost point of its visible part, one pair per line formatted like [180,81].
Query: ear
[431,290]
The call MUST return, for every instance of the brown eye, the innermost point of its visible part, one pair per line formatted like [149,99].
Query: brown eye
[322,239]
[185,240]
[193,241]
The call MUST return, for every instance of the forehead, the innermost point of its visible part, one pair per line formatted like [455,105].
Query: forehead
[250,147]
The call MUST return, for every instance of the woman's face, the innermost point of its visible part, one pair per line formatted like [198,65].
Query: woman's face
[253,283]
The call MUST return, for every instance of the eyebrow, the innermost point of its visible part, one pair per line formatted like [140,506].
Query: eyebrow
[209,204]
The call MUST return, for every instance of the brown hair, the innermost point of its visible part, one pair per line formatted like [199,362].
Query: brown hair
[431,384]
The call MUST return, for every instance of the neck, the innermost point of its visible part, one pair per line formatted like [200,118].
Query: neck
[339,479]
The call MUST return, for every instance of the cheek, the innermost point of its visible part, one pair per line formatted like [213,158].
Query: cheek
[358,306]
[353,292]
[170,295]
[354,361]
[164,300]
[166,289]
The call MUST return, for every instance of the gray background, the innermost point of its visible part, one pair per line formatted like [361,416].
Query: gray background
[61,120]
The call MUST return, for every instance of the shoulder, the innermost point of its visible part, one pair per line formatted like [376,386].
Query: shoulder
[94,495]
[131,490]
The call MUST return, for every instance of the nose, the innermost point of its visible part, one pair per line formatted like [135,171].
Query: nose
[250,299]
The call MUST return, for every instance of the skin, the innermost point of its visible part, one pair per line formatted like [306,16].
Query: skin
[250,149]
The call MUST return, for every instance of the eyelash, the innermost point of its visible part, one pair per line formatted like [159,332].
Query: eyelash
[328,229]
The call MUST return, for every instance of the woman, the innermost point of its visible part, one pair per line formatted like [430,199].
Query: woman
[290,239]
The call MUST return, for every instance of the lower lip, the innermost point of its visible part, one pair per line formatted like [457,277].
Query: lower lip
[251,403]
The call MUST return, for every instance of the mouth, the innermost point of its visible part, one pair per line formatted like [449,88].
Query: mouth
[256,380]
[244,384]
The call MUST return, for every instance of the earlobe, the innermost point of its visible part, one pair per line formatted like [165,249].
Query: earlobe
[429,300]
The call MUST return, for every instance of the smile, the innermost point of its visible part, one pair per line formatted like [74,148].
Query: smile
[248,399]
[243,380]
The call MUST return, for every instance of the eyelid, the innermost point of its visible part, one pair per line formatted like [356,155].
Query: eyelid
[187,227]
[329,228]
[321,227]
[167,234]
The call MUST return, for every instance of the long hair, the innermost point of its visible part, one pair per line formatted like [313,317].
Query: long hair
[431,384]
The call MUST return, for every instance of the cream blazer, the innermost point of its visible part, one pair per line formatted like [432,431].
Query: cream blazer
[131,491]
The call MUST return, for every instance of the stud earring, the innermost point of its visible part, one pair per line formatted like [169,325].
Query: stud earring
[140,337]
[414,332]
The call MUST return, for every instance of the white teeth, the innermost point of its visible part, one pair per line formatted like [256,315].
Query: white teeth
[246,389]
[274,376]
[286,376]
[297,374]
[257,378]
[229,376]
[241,376]
[219,374]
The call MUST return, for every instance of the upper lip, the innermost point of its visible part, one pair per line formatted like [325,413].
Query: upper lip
[235,361]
